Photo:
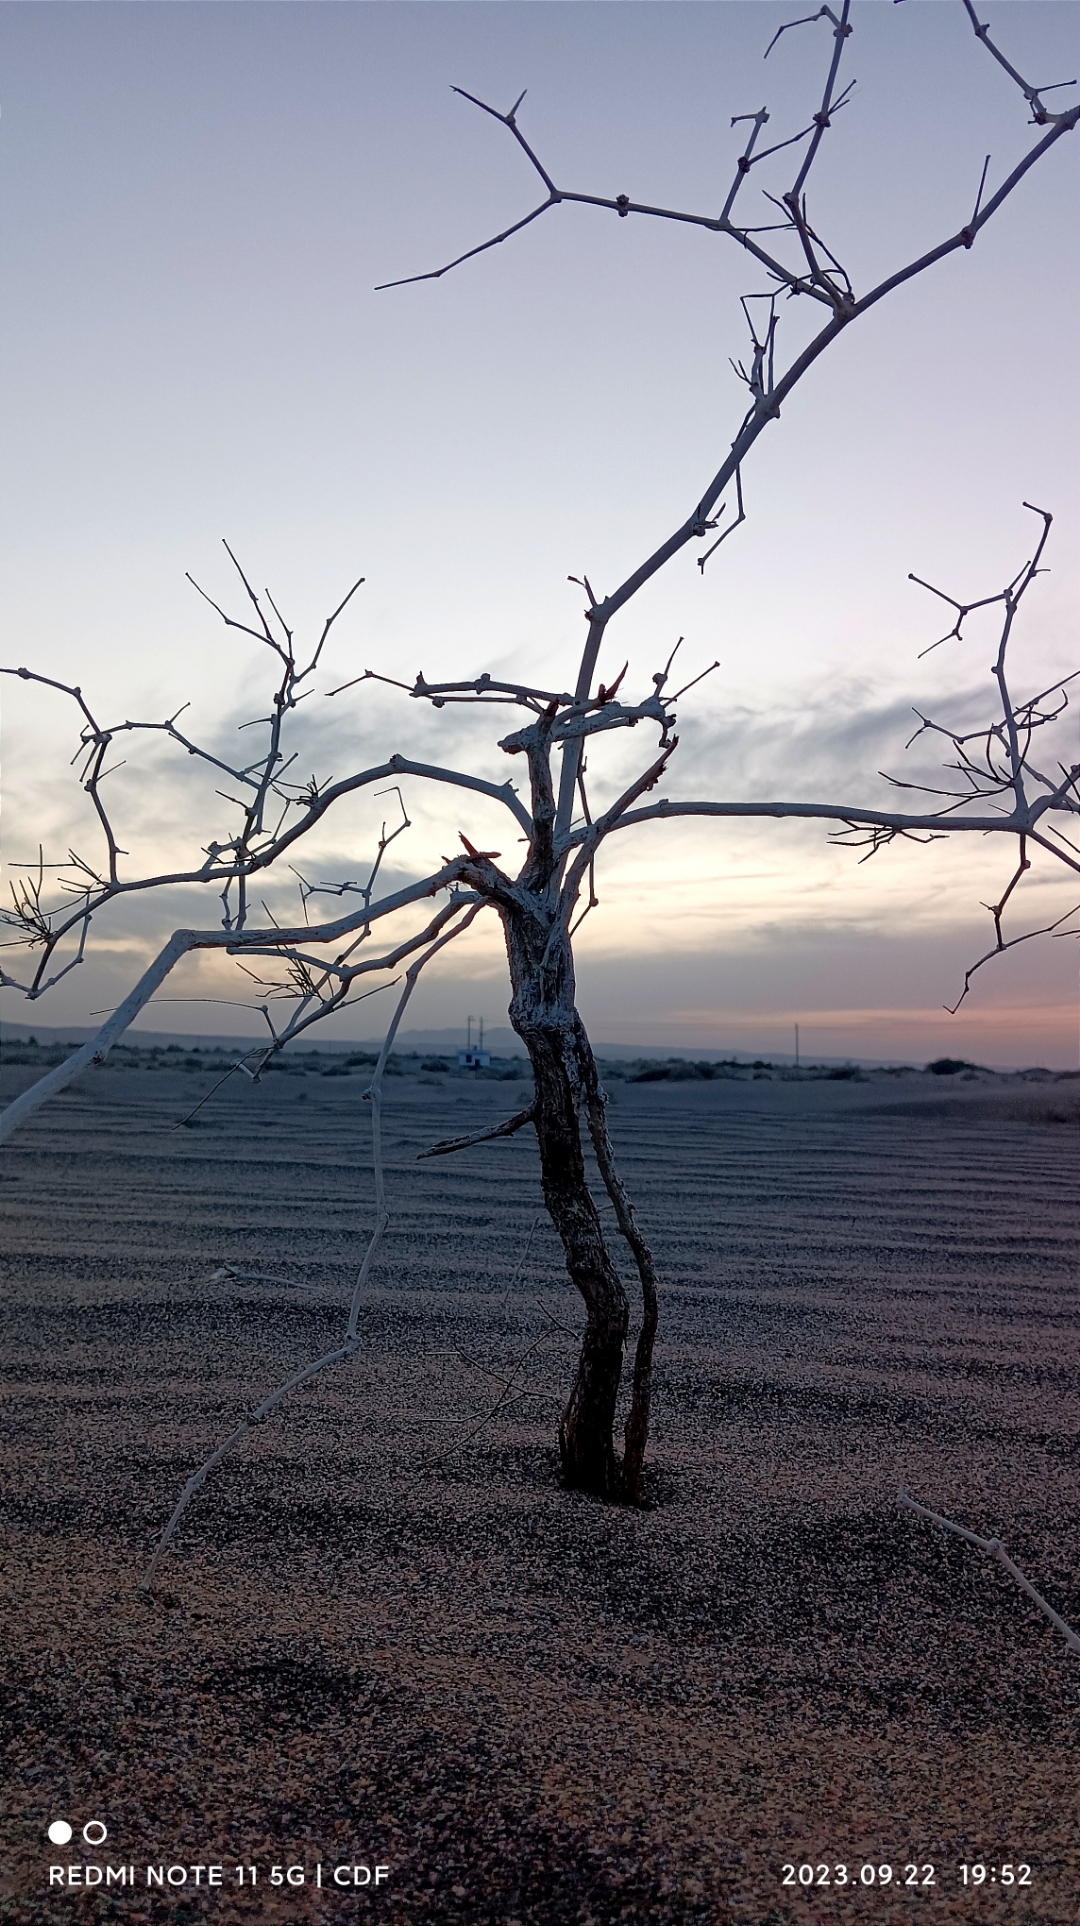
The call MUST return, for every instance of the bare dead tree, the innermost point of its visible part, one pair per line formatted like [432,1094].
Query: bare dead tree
[313,969]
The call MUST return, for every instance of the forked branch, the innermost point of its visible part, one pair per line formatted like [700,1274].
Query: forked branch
[995,1549]
[821,279]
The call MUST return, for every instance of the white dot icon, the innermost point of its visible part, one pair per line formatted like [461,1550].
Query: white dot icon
[59,1832]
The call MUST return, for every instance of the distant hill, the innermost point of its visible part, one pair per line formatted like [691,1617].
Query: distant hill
[500,1040]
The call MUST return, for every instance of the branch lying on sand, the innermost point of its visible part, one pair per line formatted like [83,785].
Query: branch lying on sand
[506,1129]
[228,1275]
[996,1550]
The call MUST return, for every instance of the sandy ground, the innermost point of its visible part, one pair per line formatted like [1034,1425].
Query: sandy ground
[381,1640]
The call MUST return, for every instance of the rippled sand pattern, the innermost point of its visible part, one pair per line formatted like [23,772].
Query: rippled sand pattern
[382,1638]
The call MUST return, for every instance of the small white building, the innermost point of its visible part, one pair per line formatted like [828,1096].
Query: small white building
[474,1058]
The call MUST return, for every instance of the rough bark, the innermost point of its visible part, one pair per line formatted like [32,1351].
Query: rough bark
[636,1433]
[535,910]
[542,1013]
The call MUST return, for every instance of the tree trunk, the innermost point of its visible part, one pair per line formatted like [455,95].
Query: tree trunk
[543,1014]
[586,1431]
[636,1434]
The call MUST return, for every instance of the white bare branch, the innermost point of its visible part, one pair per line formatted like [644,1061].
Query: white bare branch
[995,1549]
[351,1343]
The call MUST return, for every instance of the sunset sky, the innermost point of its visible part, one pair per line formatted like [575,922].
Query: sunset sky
[199,200]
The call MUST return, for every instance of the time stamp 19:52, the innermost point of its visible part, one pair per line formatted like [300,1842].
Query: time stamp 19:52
[920,1878]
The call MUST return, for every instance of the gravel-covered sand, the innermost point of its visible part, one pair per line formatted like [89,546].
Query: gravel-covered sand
[531,1707]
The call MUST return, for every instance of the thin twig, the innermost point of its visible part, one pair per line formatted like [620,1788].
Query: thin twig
[506,1129]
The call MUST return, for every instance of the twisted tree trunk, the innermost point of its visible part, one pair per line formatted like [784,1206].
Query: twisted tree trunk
[636,1435]
[543,1013]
